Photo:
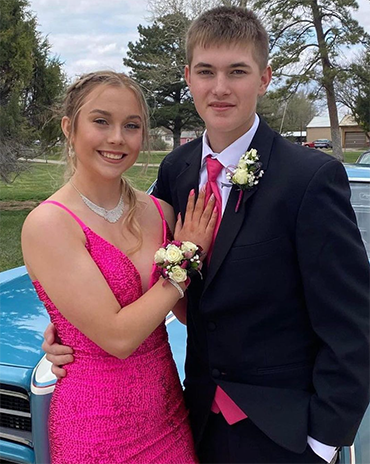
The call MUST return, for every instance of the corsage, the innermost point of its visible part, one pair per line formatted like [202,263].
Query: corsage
[178,261]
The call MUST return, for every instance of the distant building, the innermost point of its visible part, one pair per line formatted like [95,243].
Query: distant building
[188,136]
[163,134]
[167,137]
[318,128]
[352,135]
[295,136]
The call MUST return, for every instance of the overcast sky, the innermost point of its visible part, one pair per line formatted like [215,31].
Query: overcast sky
[93,34]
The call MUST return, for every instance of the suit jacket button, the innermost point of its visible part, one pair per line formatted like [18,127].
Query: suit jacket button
[211,326]
[216,373]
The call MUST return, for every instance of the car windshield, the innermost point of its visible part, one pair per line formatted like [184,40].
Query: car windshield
[365,158]
[360,200]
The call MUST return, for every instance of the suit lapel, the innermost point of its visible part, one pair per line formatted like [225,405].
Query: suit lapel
[232,221]
[189,177]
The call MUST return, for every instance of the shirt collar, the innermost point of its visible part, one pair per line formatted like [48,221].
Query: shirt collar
[231,154]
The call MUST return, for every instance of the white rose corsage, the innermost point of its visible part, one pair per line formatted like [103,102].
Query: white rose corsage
[178,261]
[246,174]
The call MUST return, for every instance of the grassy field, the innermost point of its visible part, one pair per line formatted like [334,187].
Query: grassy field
[351,156]
[41,180]
[36,185]
[11,226]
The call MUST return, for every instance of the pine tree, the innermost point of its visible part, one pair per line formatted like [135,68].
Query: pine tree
[157,62]
[30,83]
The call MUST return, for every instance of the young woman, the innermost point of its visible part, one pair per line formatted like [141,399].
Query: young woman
[89,250]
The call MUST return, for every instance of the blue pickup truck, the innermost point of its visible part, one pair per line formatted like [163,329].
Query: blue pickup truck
[26,382]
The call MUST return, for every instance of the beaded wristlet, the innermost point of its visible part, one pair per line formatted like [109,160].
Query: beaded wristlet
[177,286]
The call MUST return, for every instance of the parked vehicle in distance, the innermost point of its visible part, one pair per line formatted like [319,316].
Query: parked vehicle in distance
[308,144]
[26,381]
[323,143]
[364,158]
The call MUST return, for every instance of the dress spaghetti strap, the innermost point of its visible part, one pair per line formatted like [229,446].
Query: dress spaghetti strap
[164,222]
[83,225]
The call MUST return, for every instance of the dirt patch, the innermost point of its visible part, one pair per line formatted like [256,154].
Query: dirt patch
[17,205]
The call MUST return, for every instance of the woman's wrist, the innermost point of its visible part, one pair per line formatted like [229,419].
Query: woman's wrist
[177,286]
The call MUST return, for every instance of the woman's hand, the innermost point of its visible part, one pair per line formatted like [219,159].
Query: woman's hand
[56,353]
[199,222]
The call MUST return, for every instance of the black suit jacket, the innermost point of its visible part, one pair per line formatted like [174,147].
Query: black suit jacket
[281,319]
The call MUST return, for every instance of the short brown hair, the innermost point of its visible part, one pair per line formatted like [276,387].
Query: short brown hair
[228,25]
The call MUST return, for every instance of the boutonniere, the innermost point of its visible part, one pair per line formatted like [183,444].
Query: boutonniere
[246,174]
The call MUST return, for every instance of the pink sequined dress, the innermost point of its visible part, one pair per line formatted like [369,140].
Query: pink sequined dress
[108,410]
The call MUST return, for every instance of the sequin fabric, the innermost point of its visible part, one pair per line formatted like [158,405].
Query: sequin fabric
[107,410]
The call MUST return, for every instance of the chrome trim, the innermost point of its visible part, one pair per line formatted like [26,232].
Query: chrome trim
[16,438]
[352,454]
[359,179]
[14,393]
[170,318]
[13,412]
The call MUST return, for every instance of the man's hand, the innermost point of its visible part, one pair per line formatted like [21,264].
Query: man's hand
[199,222]
[56,353]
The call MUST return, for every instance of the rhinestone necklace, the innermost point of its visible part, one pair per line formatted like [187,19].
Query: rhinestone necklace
[110,215]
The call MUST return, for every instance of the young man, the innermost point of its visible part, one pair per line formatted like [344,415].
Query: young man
[277,366]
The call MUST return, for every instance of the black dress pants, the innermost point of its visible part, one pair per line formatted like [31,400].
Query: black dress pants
[243,442]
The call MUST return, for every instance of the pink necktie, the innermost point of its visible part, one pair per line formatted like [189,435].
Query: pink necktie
[214,167]
[222,402]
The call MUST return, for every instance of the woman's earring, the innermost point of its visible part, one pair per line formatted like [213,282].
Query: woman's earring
[71,152]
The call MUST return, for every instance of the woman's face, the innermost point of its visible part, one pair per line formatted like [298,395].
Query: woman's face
[109,132]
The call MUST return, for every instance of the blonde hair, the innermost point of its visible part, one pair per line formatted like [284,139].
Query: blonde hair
[227,26]
[74,101]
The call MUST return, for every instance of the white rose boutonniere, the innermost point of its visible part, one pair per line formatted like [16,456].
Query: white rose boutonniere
[246,174]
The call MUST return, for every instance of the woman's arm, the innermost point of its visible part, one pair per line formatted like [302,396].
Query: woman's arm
[55,254]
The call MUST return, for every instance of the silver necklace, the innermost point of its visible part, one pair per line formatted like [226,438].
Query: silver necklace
[110,215]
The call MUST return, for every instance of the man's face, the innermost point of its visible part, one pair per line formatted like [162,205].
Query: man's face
[225,82]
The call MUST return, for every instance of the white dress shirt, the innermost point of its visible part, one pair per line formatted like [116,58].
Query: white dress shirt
[229,157]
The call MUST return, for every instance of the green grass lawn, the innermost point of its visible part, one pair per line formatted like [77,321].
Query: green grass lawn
[351,156]
[36,185]
[10,246]
[41,180]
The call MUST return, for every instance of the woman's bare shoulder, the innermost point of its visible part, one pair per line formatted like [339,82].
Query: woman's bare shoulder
[49,220]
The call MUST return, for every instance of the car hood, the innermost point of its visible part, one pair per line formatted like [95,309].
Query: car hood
[23,321]
[358,171]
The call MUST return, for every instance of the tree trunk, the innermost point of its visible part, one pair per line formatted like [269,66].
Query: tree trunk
[334,125]
[177,132]
[328,82]
[176,138]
